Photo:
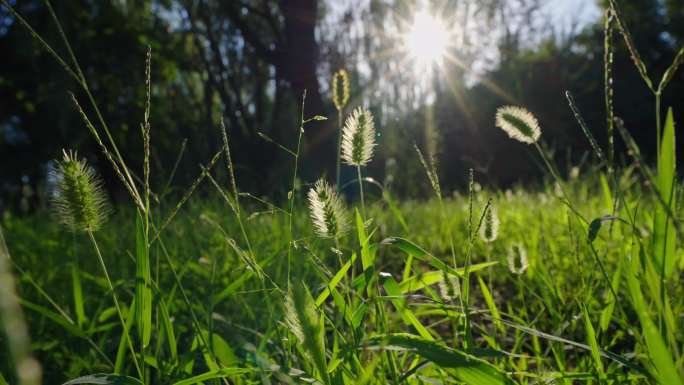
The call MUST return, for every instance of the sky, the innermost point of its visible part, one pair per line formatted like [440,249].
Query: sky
[565,12]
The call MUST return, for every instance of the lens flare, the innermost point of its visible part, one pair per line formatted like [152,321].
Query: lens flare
[427,40]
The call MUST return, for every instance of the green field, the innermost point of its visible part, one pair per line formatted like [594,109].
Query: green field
[555,322]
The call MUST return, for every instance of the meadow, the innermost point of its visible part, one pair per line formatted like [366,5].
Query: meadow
[574,280]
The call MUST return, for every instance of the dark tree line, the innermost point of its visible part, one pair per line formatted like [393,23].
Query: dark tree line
[249,61]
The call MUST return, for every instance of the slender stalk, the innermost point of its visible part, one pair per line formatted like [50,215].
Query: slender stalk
[658,126]
[291,196]
[565,199]
[116,303]
[339,150]
[363,203]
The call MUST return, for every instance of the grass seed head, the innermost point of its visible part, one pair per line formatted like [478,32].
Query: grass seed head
[78,200]
[358,138]
[449,287]
[517,251]
[340,89]
[489,230]
[327,211]
[518,123]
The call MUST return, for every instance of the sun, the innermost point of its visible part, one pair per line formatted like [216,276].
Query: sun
[427,40]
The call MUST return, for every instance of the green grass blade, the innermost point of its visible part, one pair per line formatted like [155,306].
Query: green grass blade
[143,290]
[491,305]
[123,348]
[466,368]
[221,373]
[591,341]
[607,313]
[366,255]
[77,292]
[304,322]
[393,290]
[665,369]
[663,228]
[55,317]
[104,379]
[168,328]
[418,252]
[335,280]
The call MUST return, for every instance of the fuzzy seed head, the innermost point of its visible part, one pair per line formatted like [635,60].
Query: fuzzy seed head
[517,251]
[449,287]
[358,138]
[78,199]
[489,230]
[292,319]
[327,211]
[518,123]
[340,89]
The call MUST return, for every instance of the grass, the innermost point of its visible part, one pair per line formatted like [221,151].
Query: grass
[579,283]
[245,321]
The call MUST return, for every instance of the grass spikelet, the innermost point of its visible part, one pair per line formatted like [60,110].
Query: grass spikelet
[327,211]
[340,89]
[517,251]
[489,230]
[431,171]
[78,201]
[302,318]
[518,123]
[358,138]
[449,287]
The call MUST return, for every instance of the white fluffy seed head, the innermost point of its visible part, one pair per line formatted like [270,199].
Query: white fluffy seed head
[328,214]
[517,251]
[78,200]
[358,138]
[340,89]
[449,287]
[489,230]
[518,123]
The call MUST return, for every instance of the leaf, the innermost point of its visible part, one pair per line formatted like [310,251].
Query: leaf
[491,305]
[418,252]
[221,373]
[607,312]
[143,290]
[104,379]
[77,294]
[224,353]
[399,303]
[121,351]
[367,259]
[56,317]
[591,340]
[168,327]
[466,368]
[665,369]
[304,321]
[596,224]
[663,227]
[335,280]
[420,280]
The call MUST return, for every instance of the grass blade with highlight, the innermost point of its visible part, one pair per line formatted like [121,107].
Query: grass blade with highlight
[465,367]
[143,290]
[665,369]
[663,228]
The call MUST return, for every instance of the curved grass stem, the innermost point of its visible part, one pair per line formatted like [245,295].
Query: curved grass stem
[116,303]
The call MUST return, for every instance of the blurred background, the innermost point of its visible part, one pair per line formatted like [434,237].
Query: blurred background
[432,72]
